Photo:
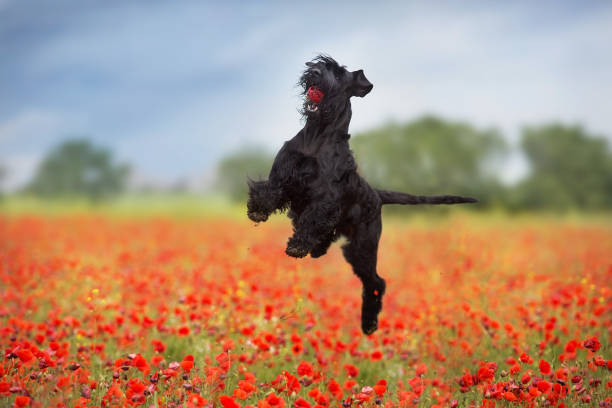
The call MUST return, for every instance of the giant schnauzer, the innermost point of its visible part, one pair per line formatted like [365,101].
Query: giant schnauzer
[315,177]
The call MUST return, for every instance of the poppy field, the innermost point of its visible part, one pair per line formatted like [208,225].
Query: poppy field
[111,311]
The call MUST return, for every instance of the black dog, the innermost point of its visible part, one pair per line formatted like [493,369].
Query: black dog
[315,177]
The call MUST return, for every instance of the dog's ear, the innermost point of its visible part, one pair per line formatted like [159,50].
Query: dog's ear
[360,86]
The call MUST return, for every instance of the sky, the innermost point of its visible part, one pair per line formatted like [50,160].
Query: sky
[173,86]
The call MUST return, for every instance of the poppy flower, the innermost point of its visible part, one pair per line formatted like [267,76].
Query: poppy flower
[592,344]
[301,403]
[544,386]
[228,402]
[334,388]
[351,370]
[305,369]
[509,396]
[544,367]
[22,401]
[158,346]
[25,355]
[380,388]
[376,355]
[275,401]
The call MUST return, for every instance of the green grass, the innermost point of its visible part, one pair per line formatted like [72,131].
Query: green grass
[133,205]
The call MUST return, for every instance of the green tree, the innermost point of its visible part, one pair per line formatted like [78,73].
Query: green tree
[570,169]
[78,168]
[3,173]
[233,171]
[432,156]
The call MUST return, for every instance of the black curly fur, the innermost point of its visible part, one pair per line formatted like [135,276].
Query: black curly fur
[315,177]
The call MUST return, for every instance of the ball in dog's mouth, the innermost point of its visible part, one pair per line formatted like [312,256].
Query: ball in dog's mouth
[315,95]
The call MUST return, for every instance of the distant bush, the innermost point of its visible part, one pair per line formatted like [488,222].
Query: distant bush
[234,170]
[569,169]
[76,168]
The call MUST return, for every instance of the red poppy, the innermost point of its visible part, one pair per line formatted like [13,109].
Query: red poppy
[25,355]
[508,396]
[228,402]
[544,386]
[196,400]
[351,370]
[4,388]
[187,365]
[525,378]
[141,364]
[380,388]
[301,403]
[526,359]
[22,401]
[275,401]
[544,367]
[592,344]
[158,346]
[421,370]
[305,369]
[297,348]
[334,388]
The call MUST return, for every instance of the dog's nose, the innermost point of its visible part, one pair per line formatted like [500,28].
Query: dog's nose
[361,85]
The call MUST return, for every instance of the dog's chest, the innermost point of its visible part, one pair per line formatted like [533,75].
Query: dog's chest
[330,161]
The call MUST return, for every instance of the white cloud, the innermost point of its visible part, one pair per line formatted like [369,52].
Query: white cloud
[28,124]
[19,170]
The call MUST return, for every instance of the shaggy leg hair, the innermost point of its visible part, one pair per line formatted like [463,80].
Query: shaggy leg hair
[264,199]
[314,176]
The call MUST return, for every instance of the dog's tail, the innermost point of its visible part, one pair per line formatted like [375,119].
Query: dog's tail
[394,197]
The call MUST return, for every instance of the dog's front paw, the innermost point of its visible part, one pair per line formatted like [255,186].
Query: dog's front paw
[319,250]
[297,248]
[257,216]
[296,252]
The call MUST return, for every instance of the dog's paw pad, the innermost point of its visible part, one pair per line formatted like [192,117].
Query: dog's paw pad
[296,252]
[257,216]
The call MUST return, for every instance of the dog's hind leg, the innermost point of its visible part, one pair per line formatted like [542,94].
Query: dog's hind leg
[361,252]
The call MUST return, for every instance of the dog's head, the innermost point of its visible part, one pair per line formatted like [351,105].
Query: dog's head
[328,87]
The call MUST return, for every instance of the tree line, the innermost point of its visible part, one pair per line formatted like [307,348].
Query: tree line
[568,167]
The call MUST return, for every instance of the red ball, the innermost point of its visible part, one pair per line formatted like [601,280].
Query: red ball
[315,94]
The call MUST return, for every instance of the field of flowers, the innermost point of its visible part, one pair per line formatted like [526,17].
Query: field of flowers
[111,311]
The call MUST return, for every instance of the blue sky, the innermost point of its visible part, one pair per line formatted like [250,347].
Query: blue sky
[173,86]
